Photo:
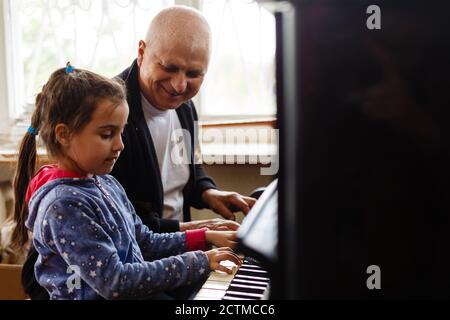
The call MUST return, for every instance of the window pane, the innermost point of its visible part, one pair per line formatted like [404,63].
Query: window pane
[241,76]
[99,35]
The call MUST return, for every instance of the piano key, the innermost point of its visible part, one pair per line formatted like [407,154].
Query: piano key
[235,298]
[204,298]
[252,270]
[261,283]
[242,276]
[245,290]
[244,294]
[217,285]
[211,294]
[246,286]
[223,277]
[250,273]
[248,282]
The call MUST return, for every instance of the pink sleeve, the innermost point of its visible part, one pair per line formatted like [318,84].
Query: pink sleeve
[195,239]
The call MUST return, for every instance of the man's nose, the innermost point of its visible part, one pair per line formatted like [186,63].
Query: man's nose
[179,82]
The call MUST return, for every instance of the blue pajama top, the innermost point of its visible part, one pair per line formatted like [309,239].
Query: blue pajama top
[92,245]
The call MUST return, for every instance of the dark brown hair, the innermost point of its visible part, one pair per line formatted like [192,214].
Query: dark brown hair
[68,98]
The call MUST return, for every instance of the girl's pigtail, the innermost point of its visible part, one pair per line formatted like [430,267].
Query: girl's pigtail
[25,170]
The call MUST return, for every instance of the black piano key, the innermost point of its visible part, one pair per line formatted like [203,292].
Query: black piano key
[245,289]
[260,271]
[245,272]
[244,276]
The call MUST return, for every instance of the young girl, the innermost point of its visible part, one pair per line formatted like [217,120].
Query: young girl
[82,221]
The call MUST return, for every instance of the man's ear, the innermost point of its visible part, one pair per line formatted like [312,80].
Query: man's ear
[62,134]
[141,52]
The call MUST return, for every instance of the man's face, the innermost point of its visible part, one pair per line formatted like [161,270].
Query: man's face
[171,73]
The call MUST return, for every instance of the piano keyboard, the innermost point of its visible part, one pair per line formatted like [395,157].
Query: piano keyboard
[249,282]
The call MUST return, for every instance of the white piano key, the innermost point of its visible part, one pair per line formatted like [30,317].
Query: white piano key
[202,298]
[211,294]
[216,285]
[220,276]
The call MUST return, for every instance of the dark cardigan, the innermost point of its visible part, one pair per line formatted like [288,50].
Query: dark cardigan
[137,168]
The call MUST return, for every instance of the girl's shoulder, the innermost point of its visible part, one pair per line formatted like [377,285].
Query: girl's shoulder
[59,197]
[111,181]
[65,190]
[113,187]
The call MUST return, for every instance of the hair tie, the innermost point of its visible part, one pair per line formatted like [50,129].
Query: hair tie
[69,68]
[32,131]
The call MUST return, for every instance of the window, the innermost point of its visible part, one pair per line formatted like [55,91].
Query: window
[100,35]
[103,35]
[241,76]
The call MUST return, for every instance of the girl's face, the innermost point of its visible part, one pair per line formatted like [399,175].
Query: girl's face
[95,149]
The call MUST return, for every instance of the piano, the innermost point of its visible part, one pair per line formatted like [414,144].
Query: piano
[257,246]
[364,177]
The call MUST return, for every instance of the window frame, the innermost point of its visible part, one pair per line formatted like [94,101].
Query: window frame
[6,86]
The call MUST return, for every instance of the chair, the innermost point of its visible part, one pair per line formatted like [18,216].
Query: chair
[10,282]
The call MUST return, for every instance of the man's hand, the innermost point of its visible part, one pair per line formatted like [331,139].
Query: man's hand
[225,203]
[222,238]
[212,224]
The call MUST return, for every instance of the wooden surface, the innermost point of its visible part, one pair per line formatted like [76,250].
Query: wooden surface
[10,282]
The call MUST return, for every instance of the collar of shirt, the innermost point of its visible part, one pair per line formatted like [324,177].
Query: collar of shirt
[151,110]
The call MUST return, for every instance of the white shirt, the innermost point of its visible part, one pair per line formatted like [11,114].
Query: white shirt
[165,128]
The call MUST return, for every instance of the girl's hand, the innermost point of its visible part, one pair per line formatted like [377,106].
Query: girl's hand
[215,256]
[222,238]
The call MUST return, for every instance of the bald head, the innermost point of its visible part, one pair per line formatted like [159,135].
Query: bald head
[179,26]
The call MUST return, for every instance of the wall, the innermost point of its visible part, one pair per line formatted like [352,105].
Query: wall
[240,178]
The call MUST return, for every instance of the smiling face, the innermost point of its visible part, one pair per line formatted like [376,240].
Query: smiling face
[171,74]
[95,149]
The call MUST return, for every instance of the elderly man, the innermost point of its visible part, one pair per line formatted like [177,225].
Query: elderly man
[169,70]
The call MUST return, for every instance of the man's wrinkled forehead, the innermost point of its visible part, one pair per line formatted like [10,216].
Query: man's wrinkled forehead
[188,44]
[182,53]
